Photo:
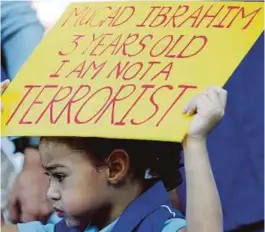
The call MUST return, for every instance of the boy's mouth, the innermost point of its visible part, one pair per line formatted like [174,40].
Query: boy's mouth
[59,212]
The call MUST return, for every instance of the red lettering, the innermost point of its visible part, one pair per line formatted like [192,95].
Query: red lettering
[92,18]
[93,40]
[53,101]
[194,16]
[77,120]
[56,75]
[124,12]
[100,43]
[230,9]
[145,87]
[195,37]
[162,16]
[148,16]
[184,89]
[119,70]
[132,72]
[211,16]
[78,70]
[142,44]
[75,45]
[126,43]
[168,55]
[161,43]
[176,15]
[243,16]
[165,71]
[35,102]
[113,44]
[30,87]
[81,69]
[96,68]
[115,99]
[75,13]
[111,17]
[151,64]
[82,19]
[73,100]
[133,122]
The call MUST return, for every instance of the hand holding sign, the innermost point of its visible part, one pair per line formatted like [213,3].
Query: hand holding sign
[209,108]
[4,85]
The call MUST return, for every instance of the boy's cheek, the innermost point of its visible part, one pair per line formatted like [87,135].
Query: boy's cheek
[77,202]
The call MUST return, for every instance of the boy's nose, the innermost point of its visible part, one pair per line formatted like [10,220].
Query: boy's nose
[53,193]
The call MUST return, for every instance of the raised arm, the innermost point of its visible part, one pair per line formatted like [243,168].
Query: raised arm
[203,210]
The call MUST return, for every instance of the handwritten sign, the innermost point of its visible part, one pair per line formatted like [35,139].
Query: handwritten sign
[126,69]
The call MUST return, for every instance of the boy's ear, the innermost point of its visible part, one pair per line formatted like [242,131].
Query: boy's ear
[118,166]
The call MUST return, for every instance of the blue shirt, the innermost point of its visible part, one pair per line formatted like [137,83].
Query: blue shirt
[149,212]
[174,224]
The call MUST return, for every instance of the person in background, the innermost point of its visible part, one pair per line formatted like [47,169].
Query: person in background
[21,32]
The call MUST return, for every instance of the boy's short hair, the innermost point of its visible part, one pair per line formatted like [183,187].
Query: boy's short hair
[161,158]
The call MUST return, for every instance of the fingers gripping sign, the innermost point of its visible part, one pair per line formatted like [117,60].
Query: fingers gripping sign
[4,85]
[208,108]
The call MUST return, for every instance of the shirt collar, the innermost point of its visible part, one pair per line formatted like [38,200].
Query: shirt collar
[106,229]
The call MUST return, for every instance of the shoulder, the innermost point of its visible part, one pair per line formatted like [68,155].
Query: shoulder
[174,225]
[35,226]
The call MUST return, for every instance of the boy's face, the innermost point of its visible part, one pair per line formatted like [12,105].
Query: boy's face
[77,188]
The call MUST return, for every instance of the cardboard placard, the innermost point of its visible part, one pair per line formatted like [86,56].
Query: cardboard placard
[127,69]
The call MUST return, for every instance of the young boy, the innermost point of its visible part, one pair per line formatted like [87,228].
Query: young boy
[99,185]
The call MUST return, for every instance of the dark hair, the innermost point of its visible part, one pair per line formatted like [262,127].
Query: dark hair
[161,158]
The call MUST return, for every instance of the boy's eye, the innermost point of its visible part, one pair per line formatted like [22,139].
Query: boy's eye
[46,173]
[59,176]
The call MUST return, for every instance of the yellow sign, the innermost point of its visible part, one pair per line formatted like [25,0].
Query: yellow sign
[126,69]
